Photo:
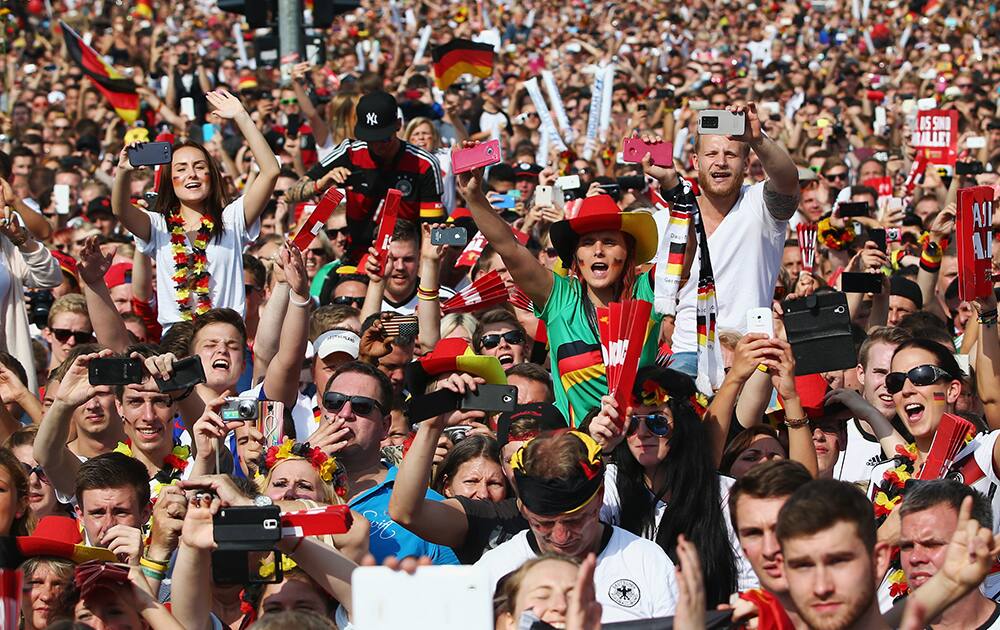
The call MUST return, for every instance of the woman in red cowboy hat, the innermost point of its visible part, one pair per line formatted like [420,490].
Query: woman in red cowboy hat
[601,246]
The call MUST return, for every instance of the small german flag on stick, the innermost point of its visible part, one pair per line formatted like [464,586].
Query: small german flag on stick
[461,56]
[119,90]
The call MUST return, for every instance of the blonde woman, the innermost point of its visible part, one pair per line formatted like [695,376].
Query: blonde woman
[422,133]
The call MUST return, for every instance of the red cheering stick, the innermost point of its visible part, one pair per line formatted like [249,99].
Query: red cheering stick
[317,219]
[948,441]
[807,245]
[330,519]
[974,234]
[624,336]
[488,290]
[387,214]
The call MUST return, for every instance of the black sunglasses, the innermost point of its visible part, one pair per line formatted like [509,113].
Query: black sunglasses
[920,376]
[835,176]
[332,233]
[28,469]
[360,405]
[492,340]
[63,335]
[657,423]
[346,300]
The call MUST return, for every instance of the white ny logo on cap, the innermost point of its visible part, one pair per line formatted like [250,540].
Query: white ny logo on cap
[372,119]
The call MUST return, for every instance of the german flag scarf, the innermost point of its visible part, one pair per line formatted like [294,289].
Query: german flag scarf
[119,90]
[682,206]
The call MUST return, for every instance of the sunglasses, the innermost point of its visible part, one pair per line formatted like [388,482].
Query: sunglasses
[835,176]
[289,101]
[346,300]
[63,335]
[492,340]
[28,469]
[360,405]
[656,423]
[920,376]
[332,233]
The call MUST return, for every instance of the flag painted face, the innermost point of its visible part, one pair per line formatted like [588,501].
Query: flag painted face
[602,257]
[190,175]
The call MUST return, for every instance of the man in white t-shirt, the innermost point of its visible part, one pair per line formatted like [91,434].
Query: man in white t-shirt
[745,226]
[560,481]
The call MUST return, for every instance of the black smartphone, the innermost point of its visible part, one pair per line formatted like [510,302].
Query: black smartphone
[632,182]
[490,398]
[969,168]
[611,189]
[292,129]
[150,154]
[240,531]
[432,405]
[851,282]
[114,371]
[188,372]
[449,236]
[878,236]
[853,209]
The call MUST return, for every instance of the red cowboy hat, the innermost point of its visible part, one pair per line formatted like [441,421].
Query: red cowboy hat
[600,212]
[59,536]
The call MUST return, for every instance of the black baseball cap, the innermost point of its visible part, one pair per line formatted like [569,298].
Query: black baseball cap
[377,117]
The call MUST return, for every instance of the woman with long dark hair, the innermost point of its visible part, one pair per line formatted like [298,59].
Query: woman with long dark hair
[472,469]
[663,482]
[195,233]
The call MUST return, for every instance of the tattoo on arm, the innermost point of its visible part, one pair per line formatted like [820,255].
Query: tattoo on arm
[779,205]
[303,189]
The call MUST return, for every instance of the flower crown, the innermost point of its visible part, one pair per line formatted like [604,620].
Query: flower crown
[327,467]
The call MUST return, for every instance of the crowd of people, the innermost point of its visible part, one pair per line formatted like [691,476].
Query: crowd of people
[719,485]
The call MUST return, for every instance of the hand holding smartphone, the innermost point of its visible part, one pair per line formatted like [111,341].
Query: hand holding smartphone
[661,153]
[760,320]
[483,154]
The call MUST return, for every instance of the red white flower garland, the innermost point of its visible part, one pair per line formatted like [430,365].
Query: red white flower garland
[191,279]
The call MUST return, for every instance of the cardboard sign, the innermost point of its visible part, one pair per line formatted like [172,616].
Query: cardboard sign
[936,134]
[974,231]
[387,214]
[317,219]
[883,186]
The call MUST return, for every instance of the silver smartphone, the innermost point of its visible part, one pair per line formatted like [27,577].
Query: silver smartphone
[720,122]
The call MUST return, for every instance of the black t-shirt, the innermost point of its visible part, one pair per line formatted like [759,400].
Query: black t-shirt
[490,525]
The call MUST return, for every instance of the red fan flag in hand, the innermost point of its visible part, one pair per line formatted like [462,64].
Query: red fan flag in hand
[974,234]
[386,214]
[520,300]
[317,219]
[488,290]
[10,597]
[949,439]
[623,338]
[807,245]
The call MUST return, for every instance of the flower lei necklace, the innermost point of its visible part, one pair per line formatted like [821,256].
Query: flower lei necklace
[173,464]
[191,280]
[888,496]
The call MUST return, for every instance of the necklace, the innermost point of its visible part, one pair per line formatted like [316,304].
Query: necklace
[191,279]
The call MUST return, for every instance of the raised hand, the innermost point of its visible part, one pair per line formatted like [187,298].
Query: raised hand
[427,249]
[197,531]
[470,183]
[75,388]
[970,553]
[125,542]
[583,611]
[12,228]
[167,521]
[295,269]
[690,587]
[753,134]
[751,350]
[225,104]
[604,427]
[667,176]
[93,263]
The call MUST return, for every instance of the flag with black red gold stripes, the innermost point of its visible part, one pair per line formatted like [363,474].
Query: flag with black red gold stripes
[116,87]
[461,56]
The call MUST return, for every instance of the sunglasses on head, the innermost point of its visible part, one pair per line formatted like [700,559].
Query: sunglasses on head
[28,469]
[656,423]
[360,405]
[346,300]
[63,335]
[920,376]
[512,337]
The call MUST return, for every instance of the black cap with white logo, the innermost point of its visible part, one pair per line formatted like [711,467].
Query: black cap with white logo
[377,115]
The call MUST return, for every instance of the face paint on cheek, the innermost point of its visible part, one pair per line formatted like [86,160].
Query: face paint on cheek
[940,397]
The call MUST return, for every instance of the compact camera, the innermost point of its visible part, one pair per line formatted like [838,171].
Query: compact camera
[240,410]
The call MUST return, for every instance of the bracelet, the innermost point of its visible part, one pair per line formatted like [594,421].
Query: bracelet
[153,575]
[427,294]
[153,565]
[301,304]
[988,318]
[796,423]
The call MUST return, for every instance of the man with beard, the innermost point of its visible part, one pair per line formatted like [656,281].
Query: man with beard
[745,226]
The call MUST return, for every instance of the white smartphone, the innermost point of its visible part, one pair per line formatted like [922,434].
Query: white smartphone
[698,105]
[548,196]
[568,182]
[926,103]
[760,320]
[721,122]
[771,106]
[384,598]
[187,108]
[975,142]
[60,194]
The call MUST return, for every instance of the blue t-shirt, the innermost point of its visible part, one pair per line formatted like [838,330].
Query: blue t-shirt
[389,538]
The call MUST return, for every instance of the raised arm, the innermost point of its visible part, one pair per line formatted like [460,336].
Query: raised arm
[50,449]
[108,324]
[294,331]
[783,175]
[135,220]
[524,268]
[228,107]
[988,359]
[320,129]
[265,344]
[429,309]
[34,221]
[800,443]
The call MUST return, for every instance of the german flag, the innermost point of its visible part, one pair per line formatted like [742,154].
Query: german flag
[119,90]
[461,56]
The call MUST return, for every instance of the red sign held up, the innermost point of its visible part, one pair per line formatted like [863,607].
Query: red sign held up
[936,133]
[974,231]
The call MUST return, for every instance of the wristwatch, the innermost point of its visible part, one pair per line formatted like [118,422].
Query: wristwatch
[262,500]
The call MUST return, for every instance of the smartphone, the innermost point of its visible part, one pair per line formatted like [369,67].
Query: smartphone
[975,142]
[188,372]
[449,236]
[490,398]
[239,531]
[632,182]
[60,195]
[720,122]
[611,189]
[969,168]
[187,108]
[879,237]
[292,129]
[505,201]
[926,103]
[150,154]
[853,209]
[384,598]
[549,196]
[760,320]
[568,182]
[114,371]
[893,235]
[634,149]
[484,154]
[698,105]
[207,132]
[853,282]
